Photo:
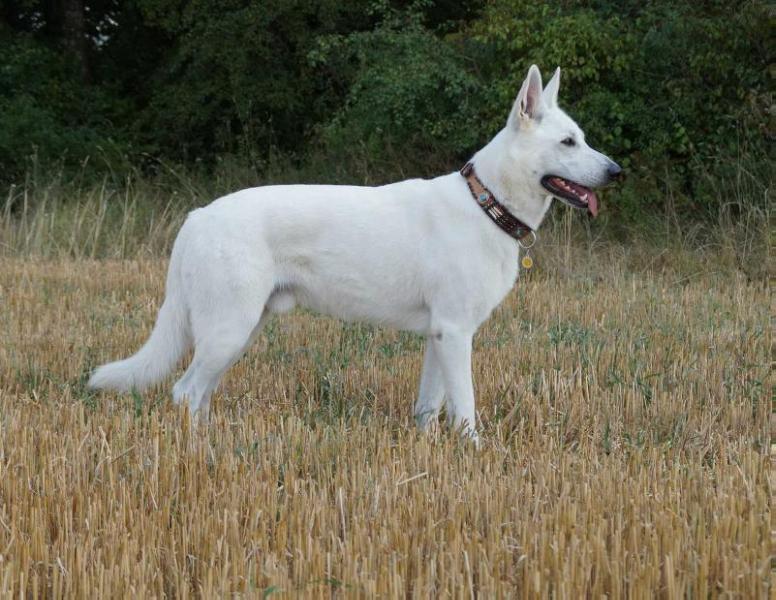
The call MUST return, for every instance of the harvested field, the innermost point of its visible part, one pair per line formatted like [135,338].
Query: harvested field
[624,416]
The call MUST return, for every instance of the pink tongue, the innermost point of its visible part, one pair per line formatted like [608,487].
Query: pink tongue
[592,203]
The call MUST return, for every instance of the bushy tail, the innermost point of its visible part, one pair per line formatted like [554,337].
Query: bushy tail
[158,356]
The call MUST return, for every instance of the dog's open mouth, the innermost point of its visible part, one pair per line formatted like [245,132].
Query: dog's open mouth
[572,193]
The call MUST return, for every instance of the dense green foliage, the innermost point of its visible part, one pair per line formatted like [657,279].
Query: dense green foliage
[677,92]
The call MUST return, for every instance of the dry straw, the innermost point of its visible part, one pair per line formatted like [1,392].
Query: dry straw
[625,426]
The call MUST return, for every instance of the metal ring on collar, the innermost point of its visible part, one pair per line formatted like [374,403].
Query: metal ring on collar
[527,246]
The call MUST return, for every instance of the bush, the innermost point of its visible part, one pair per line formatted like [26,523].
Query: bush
[407,89]
[47,113]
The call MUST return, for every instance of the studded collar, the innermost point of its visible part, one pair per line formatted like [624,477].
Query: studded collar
[496,211]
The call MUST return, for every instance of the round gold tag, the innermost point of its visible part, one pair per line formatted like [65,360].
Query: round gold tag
[527,262]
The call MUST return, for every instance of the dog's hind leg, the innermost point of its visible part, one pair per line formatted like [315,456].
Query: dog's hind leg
[215,352]
[431,395]
[225,319]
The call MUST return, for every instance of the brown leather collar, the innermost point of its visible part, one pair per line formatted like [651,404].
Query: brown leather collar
[497,212]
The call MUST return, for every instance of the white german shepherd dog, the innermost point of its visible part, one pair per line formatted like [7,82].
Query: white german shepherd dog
[420,255]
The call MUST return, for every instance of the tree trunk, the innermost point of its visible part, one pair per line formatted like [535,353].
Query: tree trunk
[74,34]
[66,23]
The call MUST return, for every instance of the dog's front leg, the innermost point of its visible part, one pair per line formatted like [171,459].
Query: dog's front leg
[453,349]
[431,395]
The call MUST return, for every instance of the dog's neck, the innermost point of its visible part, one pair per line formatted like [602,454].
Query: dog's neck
[514,189]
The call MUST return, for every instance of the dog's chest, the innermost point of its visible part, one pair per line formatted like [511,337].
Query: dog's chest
[504,276]
[494,277]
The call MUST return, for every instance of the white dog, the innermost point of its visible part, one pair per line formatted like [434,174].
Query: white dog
[431,256]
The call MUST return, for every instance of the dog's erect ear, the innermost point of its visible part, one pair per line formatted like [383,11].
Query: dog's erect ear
[529,101]
[550,93]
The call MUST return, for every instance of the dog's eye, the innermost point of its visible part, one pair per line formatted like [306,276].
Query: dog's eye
[569,141]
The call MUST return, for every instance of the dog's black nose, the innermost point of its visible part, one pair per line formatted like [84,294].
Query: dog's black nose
[614,171]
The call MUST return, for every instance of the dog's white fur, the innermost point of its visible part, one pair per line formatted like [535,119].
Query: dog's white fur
[418,255]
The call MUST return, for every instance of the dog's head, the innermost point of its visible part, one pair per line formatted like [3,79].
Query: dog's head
[546,151]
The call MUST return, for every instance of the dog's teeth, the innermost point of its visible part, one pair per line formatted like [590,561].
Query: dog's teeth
[583,198]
